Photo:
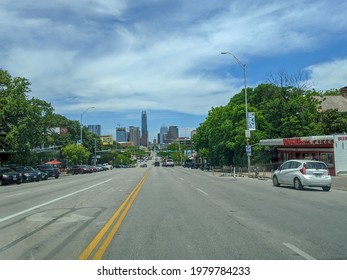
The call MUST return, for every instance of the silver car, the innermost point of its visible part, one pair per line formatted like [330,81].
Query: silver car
[300,173]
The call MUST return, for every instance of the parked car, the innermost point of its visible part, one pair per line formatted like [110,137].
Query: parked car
[107,166]
[156,163]
[9,176]
[50,170]
[28,173]
[44,175]
[101,167]
[92,168]
[303,173]
[80,169]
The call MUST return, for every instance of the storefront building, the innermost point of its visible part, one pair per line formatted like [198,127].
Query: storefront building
[332,149]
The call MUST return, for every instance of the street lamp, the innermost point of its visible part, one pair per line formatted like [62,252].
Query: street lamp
[82,124]
[247,133]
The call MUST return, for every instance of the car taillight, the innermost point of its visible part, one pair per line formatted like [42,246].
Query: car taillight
[303,170]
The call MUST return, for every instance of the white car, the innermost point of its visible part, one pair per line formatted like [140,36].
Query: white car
[303,173]
[169,163]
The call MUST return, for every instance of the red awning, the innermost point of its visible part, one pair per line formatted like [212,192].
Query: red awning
[53,162]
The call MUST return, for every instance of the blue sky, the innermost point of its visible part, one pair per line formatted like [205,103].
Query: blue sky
[125,56]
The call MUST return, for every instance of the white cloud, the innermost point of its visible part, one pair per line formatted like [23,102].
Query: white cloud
[329,75]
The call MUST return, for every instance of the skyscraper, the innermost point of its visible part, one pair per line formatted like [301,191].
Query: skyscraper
[163,132]
[96,129]
[134,135]
[173,133]
[144,131]
[121,134]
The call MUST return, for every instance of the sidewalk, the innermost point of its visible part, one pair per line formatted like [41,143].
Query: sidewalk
[338,182]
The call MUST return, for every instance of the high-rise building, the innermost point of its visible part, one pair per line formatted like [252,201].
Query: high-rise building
[96,129]
[121,134]
[134,135]
[172,134]
[144,131]
[163,132]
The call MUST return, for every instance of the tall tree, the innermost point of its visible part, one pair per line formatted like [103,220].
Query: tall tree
[75,154]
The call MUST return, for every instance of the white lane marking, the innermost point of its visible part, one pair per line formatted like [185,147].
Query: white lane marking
[205,193]
[50,202]
[182,179]
[298,251]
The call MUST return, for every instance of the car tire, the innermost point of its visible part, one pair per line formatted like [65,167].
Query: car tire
[297,184]
[326,188]
[275,181]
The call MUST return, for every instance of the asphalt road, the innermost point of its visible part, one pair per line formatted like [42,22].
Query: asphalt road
[169,213]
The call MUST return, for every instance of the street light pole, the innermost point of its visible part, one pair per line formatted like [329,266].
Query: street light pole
[247,133]
[82,123]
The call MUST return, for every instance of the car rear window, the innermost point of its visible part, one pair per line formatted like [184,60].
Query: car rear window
[315,165]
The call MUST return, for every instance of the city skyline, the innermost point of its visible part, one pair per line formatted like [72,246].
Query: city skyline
[133,133]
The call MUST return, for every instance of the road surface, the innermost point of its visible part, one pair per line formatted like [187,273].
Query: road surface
[158,213]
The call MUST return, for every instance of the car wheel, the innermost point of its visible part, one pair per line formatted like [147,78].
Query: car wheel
[326,188]
[275,181]
[297,184]
[56,177]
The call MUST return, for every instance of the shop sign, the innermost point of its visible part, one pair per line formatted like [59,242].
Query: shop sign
[299,141]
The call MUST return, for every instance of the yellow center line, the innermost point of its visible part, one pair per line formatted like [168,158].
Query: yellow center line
[100,235]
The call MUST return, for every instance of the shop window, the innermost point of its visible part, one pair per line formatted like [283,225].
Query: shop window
[327,158]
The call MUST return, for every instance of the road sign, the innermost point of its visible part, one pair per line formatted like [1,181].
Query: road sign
[248,150]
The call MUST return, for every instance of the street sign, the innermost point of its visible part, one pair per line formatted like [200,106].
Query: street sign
[248,133]
[248,150]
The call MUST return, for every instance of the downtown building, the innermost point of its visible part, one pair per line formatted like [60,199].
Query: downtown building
[144,129]
[121,134]
[95,128]
[134,135]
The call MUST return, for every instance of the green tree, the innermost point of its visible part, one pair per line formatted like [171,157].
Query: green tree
[75,154]
[334,122]
[23,121]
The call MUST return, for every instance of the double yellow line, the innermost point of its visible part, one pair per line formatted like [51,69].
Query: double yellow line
[98,246]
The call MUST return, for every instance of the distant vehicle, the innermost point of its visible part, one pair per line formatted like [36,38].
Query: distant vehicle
[168,163]
[156,163]
[303,173]
[195,165]
[28,173]
[143,164]
[188,163]
[9,176]
[206,167]
[50,170]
